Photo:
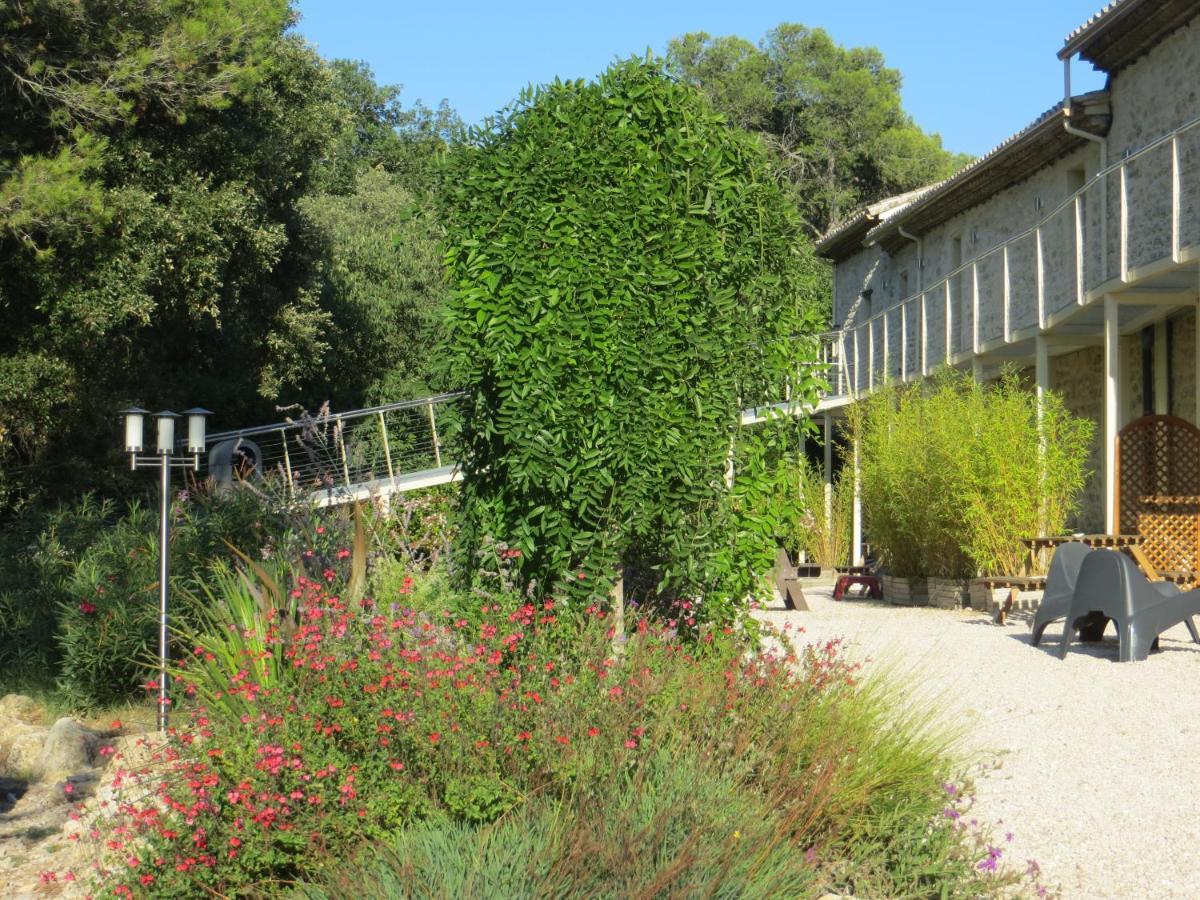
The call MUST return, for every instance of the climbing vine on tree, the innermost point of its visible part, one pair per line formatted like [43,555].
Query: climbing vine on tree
[626,275]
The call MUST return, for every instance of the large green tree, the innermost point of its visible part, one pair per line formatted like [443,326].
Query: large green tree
[170,228]
[626,273]
[832,115]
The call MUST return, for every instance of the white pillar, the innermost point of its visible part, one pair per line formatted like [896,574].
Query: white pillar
[828,471]
[856,551]
[1112,406]
[1161,390]
[1041,369]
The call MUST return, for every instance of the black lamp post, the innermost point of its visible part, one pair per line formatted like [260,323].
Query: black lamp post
[163,459]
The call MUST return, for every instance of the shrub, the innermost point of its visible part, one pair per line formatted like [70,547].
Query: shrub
[79,601]
[625,274]
[644,770]
[955,473]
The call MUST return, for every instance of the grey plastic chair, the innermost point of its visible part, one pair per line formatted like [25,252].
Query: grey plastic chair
[1110,586]
[1060,586]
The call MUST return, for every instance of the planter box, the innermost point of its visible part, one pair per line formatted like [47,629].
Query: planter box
[905,591]
[949,593]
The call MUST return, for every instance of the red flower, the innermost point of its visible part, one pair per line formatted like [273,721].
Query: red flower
[87,608]
[524,736]
[631,744]
[593,731]
[435,737]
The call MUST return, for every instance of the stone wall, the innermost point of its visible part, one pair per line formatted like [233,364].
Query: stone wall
[1150,98]
[1079,378]
[1183,367]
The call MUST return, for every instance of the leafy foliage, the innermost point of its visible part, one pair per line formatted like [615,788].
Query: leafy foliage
[167,235]
[831,114]
[955,474]
[625,275]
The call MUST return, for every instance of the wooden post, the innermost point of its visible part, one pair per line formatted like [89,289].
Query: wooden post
[617,599]
[437,445]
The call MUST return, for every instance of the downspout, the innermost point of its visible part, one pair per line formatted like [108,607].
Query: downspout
[1103,142]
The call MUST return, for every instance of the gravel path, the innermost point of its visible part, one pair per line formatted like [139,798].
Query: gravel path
[1099,762]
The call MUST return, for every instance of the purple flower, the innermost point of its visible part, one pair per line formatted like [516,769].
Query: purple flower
[949,788]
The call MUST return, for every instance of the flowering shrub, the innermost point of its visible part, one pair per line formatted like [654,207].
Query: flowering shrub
[377,721]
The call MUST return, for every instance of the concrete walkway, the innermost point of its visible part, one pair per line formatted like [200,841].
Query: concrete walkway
[1098,762]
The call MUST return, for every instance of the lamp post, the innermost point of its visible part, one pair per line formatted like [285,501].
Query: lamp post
[163,459]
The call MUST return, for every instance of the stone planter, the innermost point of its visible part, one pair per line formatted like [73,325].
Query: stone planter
[949,593]
[905,591]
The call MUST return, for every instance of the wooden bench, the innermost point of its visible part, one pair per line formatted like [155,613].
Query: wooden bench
[787,581]
[1015,584]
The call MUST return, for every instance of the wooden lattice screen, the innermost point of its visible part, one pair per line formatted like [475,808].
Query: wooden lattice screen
[1158,491]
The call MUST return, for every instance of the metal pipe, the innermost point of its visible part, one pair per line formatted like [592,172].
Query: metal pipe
[164,543]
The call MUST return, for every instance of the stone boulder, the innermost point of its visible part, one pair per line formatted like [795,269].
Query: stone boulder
[69,748]
[20,748]
[19,708]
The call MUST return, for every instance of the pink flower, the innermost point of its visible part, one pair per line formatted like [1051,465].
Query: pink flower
[87,608]
[631,744]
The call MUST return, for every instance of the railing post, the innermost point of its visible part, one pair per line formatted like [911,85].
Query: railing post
[903,341]
[1080,298]
[437,445]
[949,321]
[974,307]
[1007,290]
[340,436]
[1041,277]
[387,450]
[870,355]
[1175,191]
[887,357]
[1124,223]
[287,464]
[924,338]
[857,367]
[843,364]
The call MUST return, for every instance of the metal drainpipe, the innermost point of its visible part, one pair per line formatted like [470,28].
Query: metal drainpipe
[1103,142]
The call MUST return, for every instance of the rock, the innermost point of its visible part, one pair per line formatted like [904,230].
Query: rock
[20,748]
[20,708]
[69,748]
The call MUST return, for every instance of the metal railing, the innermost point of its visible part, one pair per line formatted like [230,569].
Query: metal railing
[1031,281]
[379,446]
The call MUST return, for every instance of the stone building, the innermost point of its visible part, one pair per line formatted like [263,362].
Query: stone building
[1072,249]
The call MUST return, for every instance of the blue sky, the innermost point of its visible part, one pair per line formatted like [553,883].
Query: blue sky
[974,72]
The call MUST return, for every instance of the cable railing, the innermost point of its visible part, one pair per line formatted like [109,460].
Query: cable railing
[336,456]
[1138,216]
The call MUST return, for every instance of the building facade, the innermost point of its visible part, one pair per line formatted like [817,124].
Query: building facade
[1071,251]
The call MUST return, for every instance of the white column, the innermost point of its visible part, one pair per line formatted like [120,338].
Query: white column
[856,551]
[1041,386]
[828,470]
[1041,369]
[1161,390]
[1112,406]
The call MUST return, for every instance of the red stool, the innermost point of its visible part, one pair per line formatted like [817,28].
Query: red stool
[870,582]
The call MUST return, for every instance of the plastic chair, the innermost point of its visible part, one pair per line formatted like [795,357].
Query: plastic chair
[1060,586]
[1110,586]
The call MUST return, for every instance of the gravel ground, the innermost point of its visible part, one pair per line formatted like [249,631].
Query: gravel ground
[1098,771]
